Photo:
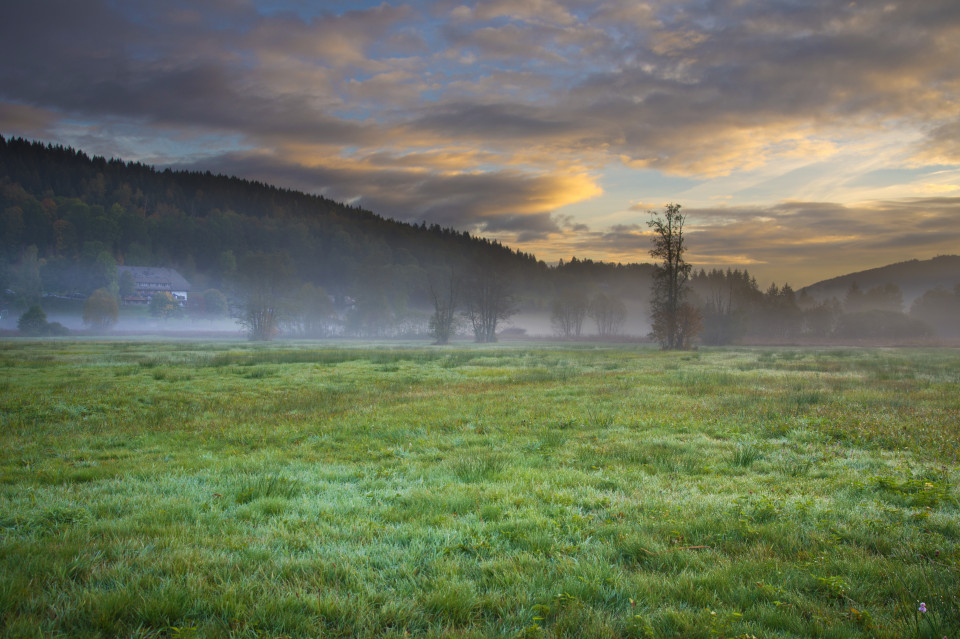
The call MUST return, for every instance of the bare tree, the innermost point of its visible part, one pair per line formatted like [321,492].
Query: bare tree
[568,313]
[444,292]
[488,301]
[311,312]
[675,323]
[609,313]
[264,281]
[722,299]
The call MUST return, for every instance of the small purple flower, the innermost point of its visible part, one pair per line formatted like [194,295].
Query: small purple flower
[923,607]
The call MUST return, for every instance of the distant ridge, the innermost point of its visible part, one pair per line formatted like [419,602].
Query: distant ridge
[914,277]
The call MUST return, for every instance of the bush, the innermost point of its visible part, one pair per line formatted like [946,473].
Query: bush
[56,329]
[33,322]
[163,305]
[215,304]
[100,310]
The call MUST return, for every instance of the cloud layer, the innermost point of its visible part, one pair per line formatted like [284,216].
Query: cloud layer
[511,119]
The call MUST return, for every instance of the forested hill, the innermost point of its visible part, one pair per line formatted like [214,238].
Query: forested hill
[913,277]
[59,200]
[83,212]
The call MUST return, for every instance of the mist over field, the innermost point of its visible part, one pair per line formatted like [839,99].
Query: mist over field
[146,326]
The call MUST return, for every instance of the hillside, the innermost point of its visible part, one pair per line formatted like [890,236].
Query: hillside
[83,214]
[914,277]
[59,199]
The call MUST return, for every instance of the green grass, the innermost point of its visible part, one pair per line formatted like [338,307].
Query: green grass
[156,489]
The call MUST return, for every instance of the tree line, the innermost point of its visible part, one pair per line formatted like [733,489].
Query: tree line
[734,308]
[285,262]
[724,307]
[67,220]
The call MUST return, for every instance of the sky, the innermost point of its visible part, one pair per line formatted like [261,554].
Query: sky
[804,139]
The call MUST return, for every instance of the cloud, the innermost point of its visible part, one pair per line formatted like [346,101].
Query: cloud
[270,77]
[509,204]
[541,11]
[496,121]
[748,81]
[497,116]
[509,41]
[643,207]
[24,120]
[669,86]
[797,242]
[329,40]
[941,145]
[807,239]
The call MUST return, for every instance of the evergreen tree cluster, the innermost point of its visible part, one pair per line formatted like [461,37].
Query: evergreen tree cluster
[67,220]
[79,212]
[735,309]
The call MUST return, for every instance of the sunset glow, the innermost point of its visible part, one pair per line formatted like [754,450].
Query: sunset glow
[804,140]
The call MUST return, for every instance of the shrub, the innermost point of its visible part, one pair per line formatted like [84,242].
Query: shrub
[100,310]
[33,322]
[56,329]
[163,305]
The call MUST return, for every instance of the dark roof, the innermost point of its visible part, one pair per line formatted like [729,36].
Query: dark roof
[156,275]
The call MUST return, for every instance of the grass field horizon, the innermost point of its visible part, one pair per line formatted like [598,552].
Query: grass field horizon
[303,489]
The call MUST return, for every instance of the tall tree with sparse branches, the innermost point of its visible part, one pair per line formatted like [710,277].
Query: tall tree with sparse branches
[444,292]
[675,323]
[488,301]
[609,313]
[569,310]
[264,282]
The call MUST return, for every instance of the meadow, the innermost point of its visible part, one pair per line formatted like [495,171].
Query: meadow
[302,489]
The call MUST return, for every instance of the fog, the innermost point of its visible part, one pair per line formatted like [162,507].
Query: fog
[539,325]
[524,324]
[732,311]
[132,326]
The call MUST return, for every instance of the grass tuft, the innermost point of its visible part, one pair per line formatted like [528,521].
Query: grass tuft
[258,486]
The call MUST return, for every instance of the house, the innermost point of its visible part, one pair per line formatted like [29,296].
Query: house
[150,279]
